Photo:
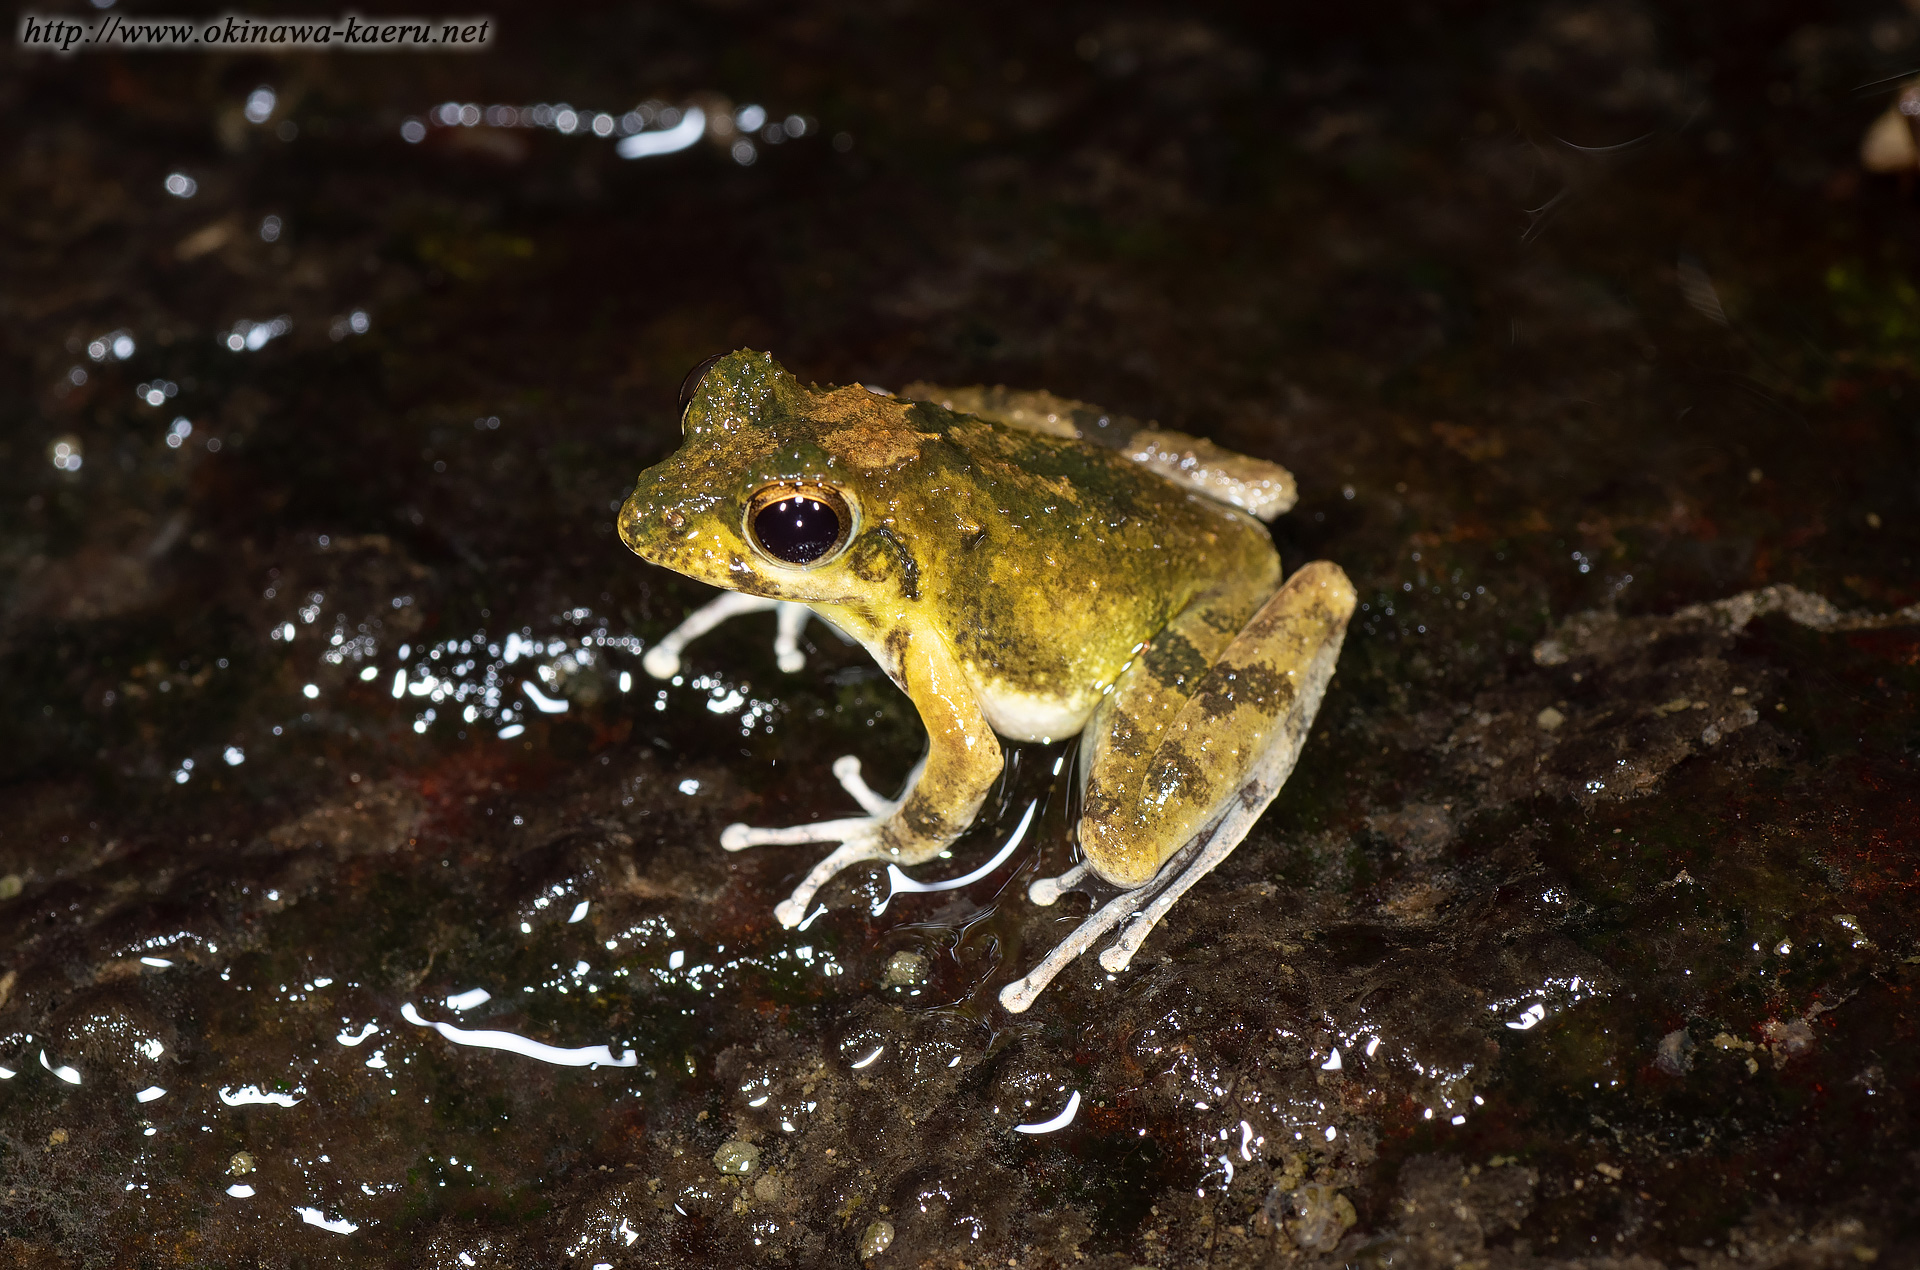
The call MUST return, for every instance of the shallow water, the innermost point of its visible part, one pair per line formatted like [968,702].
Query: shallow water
[363,896]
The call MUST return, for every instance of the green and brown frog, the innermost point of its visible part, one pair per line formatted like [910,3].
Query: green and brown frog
[1022,566]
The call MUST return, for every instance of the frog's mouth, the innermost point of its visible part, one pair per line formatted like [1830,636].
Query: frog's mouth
[658,536]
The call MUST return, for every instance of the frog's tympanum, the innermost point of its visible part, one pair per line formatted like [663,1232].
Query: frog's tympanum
[1020,565]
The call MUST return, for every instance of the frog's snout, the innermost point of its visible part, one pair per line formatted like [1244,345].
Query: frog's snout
[641,531]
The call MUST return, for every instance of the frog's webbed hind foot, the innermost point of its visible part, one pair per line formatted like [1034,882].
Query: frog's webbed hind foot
[662,661]
[1138,911]
[858,836]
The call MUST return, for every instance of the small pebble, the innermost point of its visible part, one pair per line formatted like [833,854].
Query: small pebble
[736,1157]
[877,1239]
[10,886]
[904,970]
[1549,719]
[1321,1216]
[240,1164]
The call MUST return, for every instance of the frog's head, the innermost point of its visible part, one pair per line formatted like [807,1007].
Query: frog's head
[764,494]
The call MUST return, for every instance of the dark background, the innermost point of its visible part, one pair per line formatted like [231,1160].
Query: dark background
[1575,320]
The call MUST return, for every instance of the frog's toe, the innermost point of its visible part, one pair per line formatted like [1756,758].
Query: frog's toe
[1136,912]
[1022,992]
[856,849]
[792,620]
[846,770]
[738,837]
[1047,891]
[662,661]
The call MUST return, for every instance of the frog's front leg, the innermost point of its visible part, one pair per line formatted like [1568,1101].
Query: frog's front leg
[1179,770]
[662,661]
[944,792]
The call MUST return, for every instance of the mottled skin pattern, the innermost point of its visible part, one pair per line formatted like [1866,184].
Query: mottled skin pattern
[1009,581]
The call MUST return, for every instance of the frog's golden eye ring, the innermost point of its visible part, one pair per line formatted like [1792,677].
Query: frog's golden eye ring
[690,386]
[799,524]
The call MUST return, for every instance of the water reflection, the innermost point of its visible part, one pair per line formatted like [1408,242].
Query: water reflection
[116,345]
[351,1039]
[1058,1122]
[585,1056]
[682,134]
[250,337]
[317,1217]
[649,130]
[901,884]
[64,1072]
[253,1095]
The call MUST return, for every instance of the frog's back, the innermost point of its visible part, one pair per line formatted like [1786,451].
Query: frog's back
[1261,488]
[1051,560]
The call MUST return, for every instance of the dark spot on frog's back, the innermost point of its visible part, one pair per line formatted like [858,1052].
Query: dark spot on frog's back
[1176,770]
[1220,620]
[1171,659]
[1123,738]
[1098,802]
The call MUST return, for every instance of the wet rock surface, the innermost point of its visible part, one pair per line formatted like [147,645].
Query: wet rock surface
[362,898]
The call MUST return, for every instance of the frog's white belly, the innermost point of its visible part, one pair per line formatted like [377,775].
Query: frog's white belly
[1028,716]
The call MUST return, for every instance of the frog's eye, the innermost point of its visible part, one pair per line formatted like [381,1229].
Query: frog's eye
[799,524]
[691,384]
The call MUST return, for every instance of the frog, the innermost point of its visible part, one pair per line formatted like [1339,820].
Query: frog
[1022,566]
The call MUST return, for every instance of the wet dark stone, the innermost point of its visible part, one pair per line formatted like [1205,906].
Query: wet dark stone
[1584,934]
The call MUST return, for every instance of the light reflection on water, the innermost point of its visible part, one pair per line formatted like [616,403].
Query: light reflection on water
[687,131]
[318,1217]
[900,884]
[513,1043]
[475,679]
[1056,1123]
[249,1095]
[649,130]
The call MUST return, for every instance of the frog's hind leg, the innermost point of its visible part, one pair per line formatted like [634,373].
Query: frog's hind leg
[1138,911]
[1022,992]
[1209,771]
[662,661]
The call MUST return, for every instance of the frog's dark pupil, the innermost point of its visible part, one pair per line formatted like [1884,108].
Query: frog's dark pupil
[797,530]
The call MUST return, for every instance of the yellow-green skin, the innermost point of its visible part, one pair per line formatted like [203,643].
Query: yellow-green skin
[1007,581]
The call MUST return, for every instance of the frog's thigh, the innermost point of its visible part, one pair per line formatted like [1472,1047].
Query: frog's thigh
[1126,731]
[1244,721]
[1127,727]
